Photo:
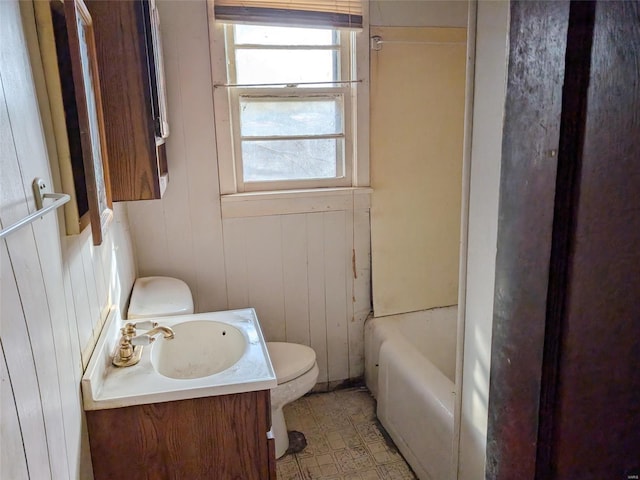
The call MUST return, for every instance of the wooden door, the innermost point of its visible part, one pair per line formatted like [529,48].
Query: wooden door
[564,397]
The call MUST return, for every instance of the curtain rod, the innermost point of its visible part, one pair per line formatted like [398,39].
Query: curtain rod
[282,84]
[377,42]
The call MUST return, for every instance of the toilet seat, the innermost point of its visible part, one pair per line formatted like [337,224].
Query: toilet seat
[290,360]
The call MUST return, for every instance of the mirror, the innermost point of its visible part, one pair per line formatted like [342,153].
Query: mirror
[69,58]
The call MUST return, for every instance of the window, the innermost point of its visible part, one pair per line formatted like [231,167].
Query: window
[286,106]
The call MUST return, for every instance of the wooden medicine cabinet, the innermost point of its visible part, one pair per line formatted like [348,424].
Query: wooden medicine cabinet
[130,61]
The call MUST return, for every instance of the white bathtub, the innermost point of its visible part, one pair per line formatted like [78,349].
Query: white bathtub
[410,368]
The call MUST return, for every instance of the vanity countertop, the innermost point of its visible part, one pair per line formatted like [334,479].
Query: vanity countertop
[105,386]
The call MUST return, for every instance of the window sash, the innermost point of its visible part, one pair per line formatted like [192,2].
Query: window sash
[344,157]
[342,67]
[327,96]
[337,162]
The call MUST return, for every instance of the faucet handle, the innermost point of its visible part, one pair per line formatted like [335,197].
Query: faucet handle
[130,328]
[145,325]
[142,340]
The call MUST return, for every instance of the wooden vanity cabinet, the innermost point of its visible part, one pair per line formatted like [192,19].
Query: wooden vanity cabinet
[221,438]
[129,58]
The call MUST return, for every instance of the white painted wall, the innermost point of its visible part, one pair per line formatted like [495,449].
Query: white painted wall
[486,148]
[418,13]
[55,290]
[181,235]
[269,260]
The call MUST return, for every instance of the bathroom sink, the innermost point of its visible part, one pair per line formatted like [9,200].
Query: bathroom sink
[200,348]
[214,353]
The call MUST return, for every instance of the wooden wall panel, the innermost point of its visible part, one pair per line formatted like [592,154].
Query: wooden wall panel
[102,289]
[45,253]
[92,293]
[80,298]
[26,266]
[264,266]
[13,463]
[21,368]
[295,278]
[73,330]
[297,271]
[54,291]
[317,294]
[361,265]
[22,111]
[337,257]
[235,244]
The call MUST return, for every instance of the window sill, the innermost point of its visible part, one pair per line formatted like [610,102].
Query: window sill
[285,202]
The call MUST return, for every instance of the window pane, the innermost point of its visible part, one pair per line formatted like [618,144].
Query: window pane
[262,35]
[285,66]
[290,117]
[290,159]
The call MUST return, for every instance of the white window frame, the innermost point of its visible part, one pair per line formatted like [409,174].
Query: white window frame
[354,60]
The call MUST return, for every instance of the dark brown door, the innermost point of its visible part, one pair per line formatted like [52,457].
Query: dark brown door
[564,398]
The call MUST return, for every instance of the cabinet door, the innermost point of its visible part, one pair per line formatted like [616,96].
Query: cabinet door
[220,437]
[129,71]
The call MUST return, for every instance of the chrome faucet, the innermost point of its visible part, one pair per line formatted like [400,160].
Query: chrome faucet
[129,349]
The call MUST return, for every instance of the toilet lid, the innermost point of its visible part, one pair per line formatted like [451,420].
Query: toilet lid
[290,360]
[159,297]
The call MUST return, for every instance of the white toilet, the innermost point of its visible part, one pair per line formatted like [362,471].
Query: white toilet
[296,371]
[295,365]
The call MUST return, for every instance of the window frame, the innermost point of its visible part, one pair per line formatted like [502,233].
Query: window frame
[353,87]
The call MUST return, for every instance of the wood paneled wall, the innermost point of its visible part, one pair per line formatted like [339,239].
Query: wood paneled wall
[55,291]
[307,275]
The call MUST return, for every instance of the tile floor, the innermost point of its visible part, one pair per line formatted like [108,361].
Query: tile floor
[344,440]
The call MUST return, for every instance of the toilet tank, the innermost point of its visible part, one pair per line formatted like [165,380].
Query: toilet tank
[159,297]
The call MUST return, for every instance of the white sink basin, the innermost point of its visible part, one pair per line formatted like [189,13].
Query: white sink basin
[216,353]
[200,348]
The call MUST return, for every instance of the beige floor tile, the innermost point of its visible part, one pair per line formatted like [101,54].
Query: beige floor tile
[288,469]
[369,432]
[364,475]
[396,471]
[344,440]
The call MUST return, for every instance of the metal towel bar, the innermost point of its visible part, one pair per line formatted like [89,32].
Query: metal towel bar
[38,187]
